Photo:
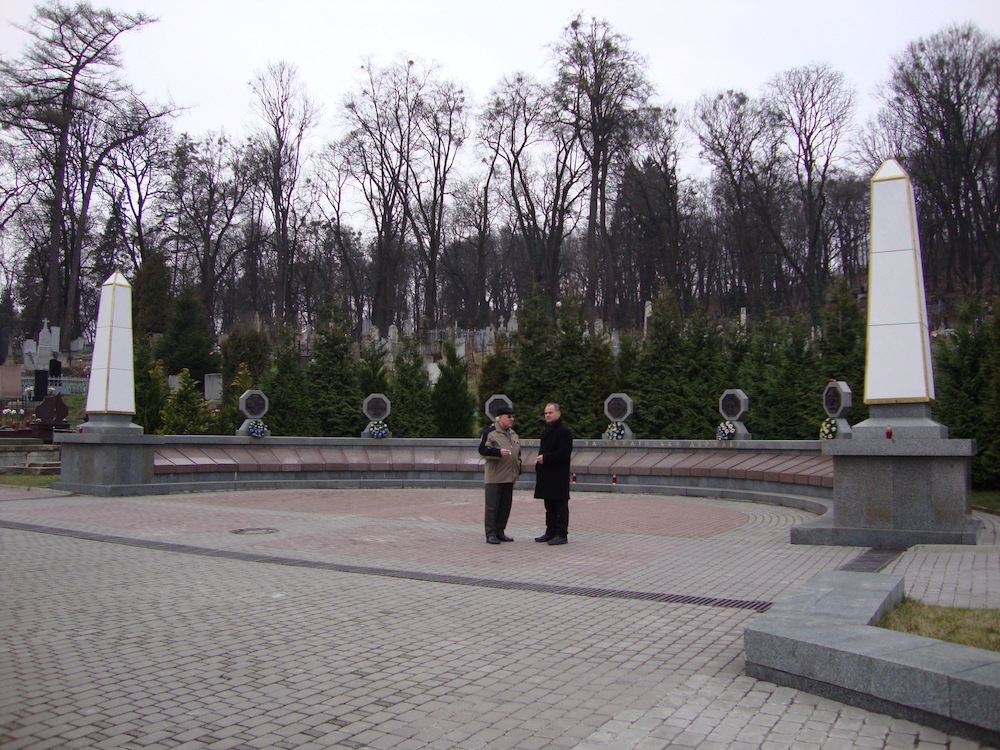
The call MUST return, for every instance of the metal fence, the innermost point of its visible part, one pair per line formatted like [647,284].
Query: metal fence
[65,386]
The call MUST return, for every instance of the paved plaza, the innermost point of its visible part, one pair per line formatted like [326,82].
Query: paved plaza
[381,619]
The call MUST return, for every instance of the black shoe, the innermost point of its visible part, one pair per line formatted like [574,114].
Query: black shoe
[543,538]
[557,540]
[504,538]
[492,539]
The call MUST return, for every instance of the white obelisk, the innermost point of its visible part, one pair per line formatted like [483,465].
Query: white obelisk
[899,376]
[111,391]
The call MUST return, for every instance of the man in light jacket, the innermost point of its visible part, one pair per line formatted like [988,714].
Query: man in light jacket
[501,448]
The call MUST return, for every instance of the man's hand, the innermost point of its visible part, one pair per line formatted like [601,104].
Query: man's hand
[540,459]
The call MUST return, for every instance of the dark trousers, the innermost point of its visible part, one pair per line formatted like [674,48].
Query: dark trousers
[557,517]
[498,500]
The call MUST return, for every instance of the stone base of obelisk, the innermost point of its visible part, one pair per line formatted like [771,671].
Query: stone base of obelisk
[912,488]
[110,424]
[106,454]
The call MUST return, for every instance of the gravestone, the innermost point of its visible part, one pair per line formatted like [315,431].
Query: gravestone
[733,407]
[253,405]
[40,386]
[837,402]
[494,402]
[10,381]
[376,407]
[50,415]
[618,408]
[43,350]
[213,386]
[29,350]
[55,370]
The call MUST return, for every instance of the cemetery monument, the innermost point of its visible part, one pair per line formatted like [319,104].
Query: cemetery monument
[899,481]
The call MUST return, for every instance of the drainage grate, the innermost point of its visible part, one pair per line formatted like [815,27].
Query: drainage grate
[704,601]
[262,530]
[872,560]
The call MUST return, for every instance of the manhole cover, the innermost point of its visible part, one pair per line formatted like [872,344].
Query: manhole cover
[254,531]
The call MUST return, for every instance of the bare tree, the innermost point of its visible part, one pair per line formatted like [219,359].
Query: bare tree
[817,108]
[383,140]
[743,141]
[67,86]
[601,89]
[139,179]
[542,174]
[332,179]
[209,186]
[650,225]
[96,137]
[289,116]
[18,188]
[944,96]
[467,257]
[441,122]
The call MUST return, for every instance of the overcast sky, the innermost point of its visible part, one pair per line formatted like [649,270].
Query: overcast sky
[202,53]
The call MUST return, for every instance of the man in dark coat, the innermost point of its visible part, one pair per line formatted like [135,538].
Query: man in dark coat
[552,475]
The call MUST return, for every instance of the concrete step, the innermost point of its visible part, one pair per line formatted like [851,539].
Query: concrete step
[36,468]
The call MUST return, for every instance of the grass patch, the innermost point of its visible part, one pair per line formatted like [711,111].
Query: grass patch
[28,480]
[77,404]
[969,627]
[987,500]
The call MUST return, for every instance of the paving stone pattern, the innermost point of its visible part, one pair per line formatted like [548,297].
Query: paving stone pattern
[113,645]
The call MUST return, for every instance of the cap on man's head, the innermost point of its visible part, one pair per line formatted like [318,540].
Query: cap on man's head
[501,410]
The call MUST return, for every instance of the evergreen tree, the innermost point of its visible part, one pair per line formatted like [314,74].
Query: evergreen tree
[656,389]
[986,465]
[494,375]
[533,379]
[737,341]
[151,295]
[600,360]
[962,377]
[795,386]
[582,372]
[625,365]
[373,375]
[410,392]
[229,417]
[333,380]
[781,377]
[185,411]
[188,341]
[698,378]
[291,411]
[451,401]
[841,347]
[570,374]
[151,388]
[246,354]
[246,346]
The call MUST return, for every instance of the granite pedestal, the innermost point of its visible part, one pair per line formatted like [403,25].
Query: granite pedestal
[894,492]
